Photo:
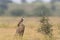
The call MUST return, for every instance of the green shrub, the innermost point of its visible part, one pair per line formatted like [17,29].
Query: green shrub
[17,12]
[1,11]
[39,11]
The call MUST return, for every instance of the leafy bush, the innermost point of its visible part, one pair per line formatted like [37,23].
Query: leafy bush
[45,25]
[1,11]
[42,9]
[17,12]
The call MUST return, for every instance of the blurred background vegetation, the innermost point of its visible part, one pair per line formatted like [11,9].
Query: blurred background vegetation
[9,8]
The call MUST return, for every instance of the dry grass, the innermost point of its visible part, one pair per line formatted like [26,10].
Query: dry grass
[8,26]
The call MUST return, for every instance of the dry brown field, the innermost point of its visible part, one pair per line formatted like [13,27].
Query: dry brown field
[8,27]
